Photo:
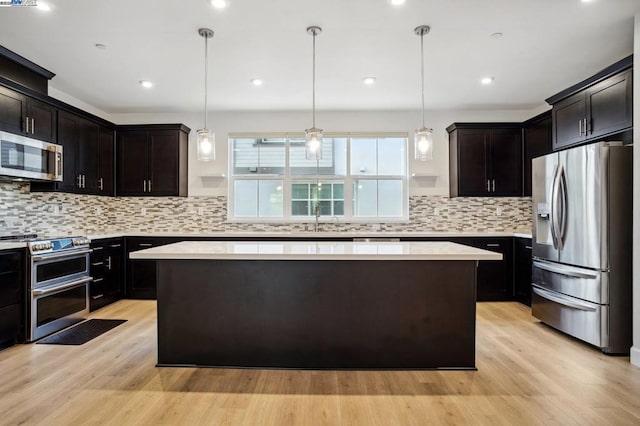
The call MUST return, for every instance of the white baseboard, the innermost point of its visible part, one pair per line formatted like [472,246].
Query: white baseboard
[635,356]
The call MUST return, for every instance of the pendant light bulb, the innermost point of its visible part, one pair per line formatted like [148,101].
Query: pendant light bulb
[313,136]
[206,139]
[423,140]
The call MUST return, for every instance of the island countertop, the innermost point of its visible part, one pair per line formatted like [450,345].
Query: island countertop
[315,250]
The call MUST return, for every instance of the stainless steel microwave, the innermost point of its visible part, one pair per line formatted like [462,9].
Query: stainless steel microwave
[29,159]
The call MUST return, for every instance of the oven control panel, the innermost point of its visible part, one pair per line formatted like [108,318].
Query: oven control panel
[58,244]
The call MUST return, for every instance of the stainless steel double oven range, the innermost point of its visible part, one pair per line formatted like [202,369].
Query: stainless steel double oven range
[58,292]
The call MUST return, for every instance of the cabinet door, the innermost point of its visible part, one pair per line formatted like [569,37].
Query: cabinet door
[568,116]
[42,120]
[88,151]
[13,107]
[141,274]
[115,258]
[106,161]
[132,163]
[473,172]
[12,285]
[68,137]
[164,158]
[610,105]
[523,265]
[506,162]
[494,280]
[537,142]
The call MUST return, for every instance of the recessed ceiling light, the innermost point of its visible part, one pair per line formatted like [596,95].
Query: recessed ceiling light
[219,4]
[587,1]
[487,80]
[369,81]
[256,82]
[146,84]
[44,7]
[100,46]
[496,35]
[398,2]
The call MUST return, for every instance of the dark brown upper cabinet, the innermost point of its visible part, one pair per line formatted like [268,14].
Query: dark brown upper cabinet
[23,115]
[485,159]
[536,133]
[152,160]
[597,107]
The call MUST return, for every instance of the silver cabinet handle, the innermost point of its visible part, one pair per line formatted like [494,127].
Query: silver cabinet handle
[494,185]
[144,185]
[149,185]
[84,181]
[109,263]
[33,126]
[101,184]
[563,300]
[26,124]
[98,248]
[97,296]
[97,264]
[145,245]
[493,245]
[488,185]
[115,245]
[527,247]
[79,181]
[97,280]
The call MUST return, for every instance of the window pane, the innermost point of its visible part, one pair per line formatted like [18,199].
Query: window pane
[338,191]
[391,156]
[258,156]
[365,198]
[363,156]
[300,208]
[390,198]
[334,155]
[245,198]
[270,198]
[329,195]
[325,208]
[338,208]
[300,191]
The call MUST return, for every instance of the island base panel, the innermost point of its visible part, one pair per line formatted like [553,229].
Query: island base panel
[317,314]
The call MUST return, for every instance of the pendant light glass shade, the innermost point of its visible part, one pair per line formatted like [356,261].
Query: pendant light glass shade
[313,136]
[206,145]
[423,140]
[424,144]
[206,139]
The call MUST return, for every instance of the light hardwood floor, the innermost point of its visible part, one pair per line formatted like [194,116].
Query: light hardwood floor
[527,374]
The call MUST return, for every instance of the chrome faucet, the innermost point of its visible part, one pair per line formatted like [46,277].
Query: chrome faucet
[317,226]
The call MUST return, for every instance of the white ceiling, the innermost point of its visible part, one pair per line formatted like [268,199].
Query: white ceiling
[547,46]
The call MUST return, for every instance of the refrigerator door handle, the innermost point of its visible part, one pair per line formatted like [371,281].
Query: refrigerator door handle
[554,208]
[562,178]
[563,300]
[564,270]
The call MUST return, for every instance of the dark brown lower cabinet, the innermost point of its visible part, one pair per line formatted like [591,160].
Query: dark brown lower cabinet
[12,293]
[522,270]
[141,274]
[107,261]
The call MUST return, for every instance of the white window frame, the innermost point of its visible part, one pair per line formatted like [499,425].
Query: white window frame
[348,179]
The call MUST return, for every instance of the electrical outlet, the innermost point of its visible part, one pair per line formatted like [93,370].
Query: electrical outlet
[200,211]
[498,211]
[436,212]
[143,211]
[56,210]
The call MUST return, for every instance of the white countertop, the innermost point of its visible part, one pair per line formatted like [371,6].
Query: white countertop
[315,235]
[11,245]
[323,250]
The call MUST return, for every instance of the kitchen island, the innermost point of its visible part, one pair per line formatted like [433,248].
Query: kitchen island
[336,305]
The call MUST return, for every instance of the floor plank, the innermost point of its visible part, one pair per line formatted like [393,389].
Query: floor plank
[527,374]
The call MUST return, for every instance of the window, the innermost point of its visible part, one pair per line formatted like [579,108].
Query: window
[360,178]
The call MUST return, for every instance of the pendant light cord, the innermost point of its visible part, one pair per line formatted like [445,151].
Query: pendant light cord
[314,80]
[206,62]
[422,73]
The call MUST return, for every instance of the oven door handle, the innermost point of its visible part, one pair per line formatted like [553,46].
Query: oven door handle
[61,255]
[62,287]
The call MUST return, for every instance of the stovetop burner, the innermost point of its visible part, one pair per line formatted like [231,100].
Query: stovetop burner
[19,238]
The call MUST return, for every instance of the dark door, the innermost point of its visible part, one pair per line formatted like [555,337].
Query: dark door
[473,172]
[523,265]
[42,120]
[12,290]
[568,116]
[68,137]
[506,162]
[132,163]
[114,273]
[494,281]
[610,105]
[106,160]
[537,142]
[164,162]
[88,150]
[13,107]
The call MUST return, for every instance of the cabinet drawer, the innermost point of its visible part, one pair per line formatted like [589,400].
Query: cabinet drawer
[10,325]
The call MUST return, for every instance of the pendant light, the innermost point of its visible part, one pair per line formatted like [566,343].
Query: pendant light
[206,139]
[423,140]
[313,136]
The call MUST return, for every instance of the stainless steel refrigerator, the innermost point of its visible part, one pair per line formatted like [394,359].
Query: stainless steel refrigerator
[582,242]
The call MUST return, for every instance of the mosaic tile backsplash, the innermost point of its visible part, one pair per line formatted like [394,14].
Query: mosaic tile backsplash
[56,214]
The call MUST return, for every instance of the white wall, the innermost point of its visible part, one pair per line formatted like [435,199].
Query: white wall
[224,123]
[635,350]
[62,96]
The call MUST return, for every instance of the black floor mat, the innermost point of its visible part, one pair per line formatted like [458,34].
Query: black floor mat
[82,333]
